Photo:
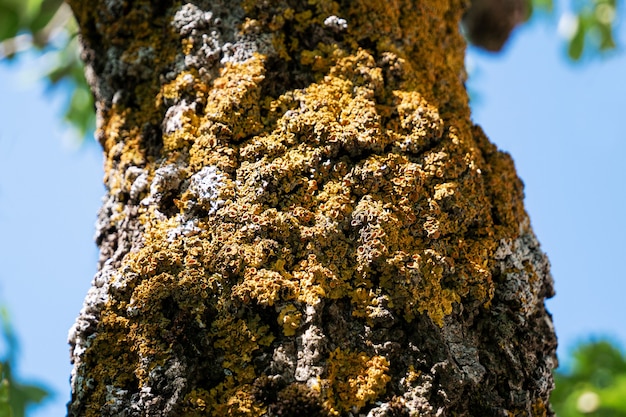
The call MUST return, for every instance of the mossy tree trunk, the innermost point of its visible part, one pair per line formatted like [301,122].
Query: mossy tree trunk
[301,219]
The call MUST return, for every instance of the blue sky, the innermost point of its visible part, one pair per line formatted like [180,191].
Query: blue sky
[564,124]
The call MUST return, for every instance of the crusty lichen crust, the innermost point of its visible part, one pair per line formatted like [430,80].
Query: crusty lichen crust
[294,189]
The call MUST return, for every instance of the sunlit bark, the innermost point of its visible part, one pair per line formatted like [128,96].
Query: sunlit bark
[301,219]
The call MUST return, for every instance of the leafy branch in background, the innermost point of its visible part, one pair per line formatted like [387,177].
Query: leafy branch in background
[15,396]
[595,386]
[592,23]
[589,28]
[48,26]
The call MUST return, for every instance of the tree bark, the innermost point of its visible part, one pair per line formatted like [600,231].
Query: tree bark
[301,219]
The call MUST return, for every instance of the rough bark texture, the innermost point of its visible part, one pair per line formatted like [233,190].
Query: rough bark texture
[301,219]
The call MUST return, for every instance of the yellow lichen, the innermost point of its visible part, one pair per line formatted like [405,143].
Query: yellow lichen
[289,318]
[350,172]
[264,287]
[227,399]
[354,379]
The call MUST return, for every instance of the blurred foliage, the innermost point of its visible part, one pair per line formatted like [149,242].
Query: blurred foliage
[588,28]
[15,396]
[48,26]
[591,26]
[595,385]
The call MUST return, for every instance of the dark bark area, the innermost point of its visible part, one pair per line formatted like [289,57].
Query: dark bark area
[301,219]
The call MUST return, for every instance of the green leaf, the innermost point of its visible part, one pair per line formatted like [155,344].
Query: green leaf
[4,387]
[15,397]
[595,33]
[9,22]
[47,10]
[577,43]
[9,338]
[606,37]
[5,408]
[80,113]
[21,396]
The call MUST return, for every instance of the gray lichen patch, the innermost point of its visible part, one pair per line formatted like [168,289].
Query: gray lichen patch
[204,189]
[89,317]
[336,23]
[525,273]
[165,179]
[216,36]
[174,116]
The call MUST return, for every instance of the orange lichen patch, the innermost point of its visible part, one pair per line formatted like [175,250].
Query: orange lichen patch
[185,134]
[317,281]
[504,189]
[197,402]
[419,285]
[233,102]
[153,259]
[239,403]
[340,114]
[377,19]
[354,379]
[398,27]
[111,361]
[264,287]
[364,301]
[227,399]
[113,127]
[186,84]
[188,93]
[539,409]
[418,124]
[290,319]
[412,375]
[320,60]
[238,340]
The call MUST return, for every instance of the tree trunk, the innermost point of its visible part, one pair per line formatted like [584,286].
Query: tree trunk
[301,219]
